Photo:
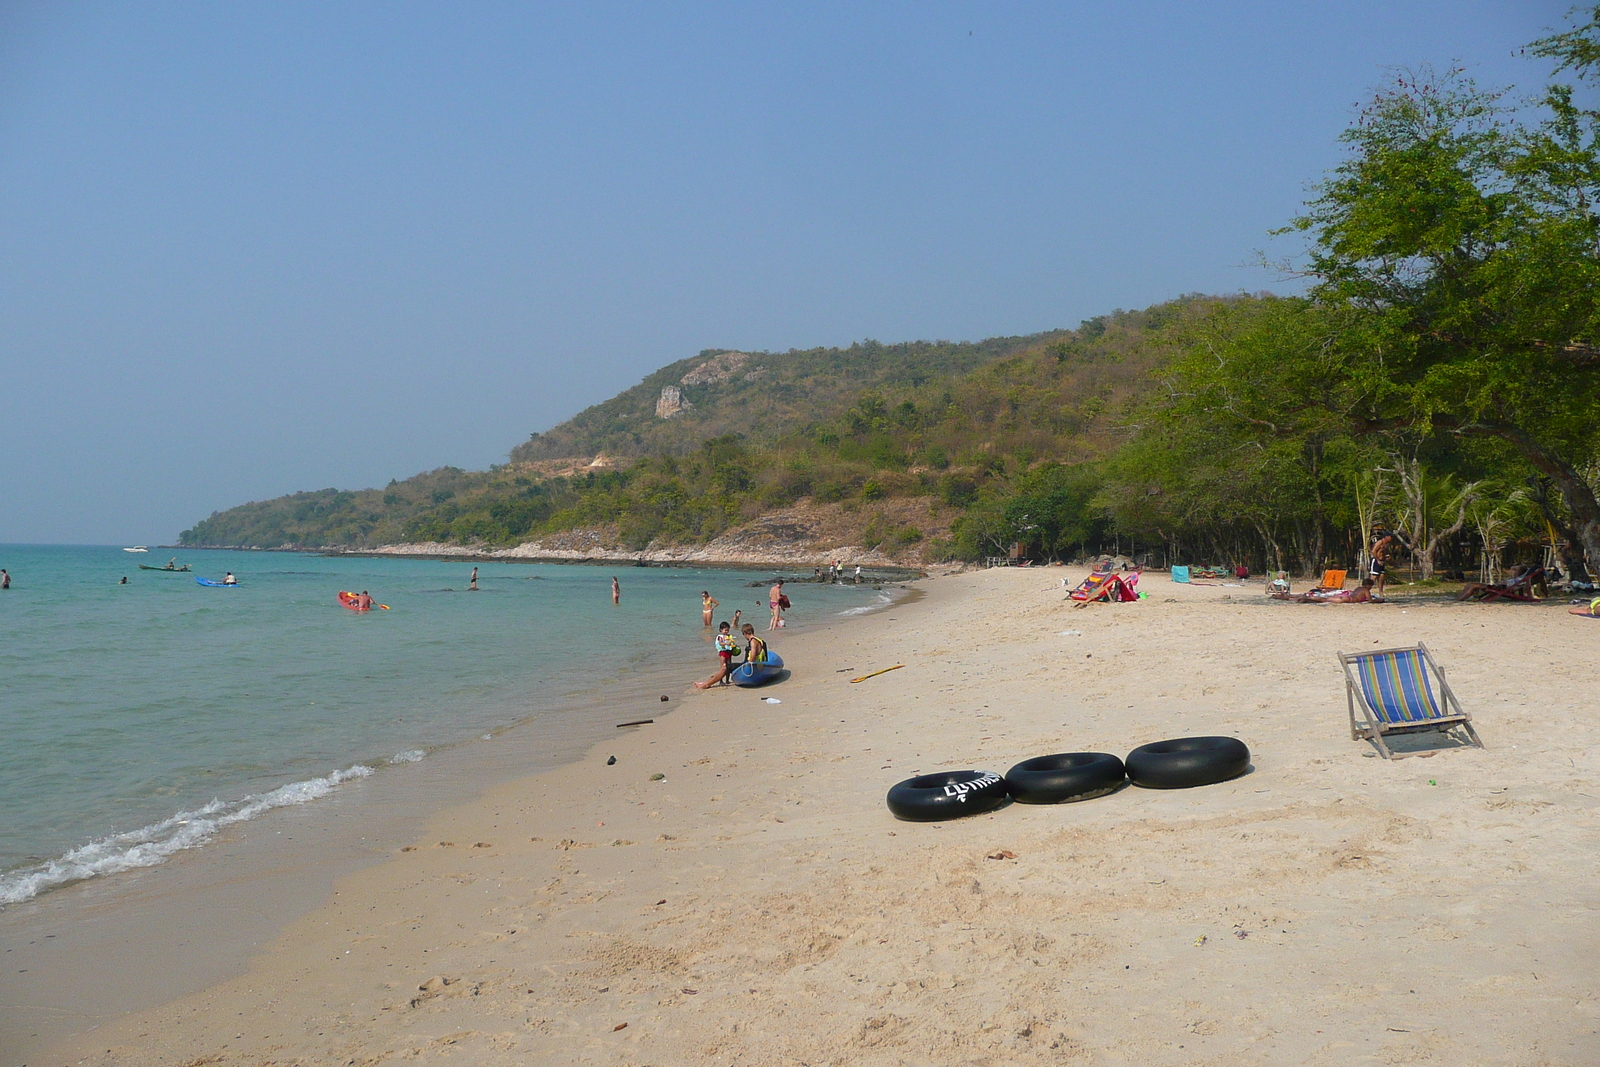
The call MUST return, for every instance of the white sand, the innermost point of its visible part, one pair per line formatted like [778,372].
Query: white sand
[760,905]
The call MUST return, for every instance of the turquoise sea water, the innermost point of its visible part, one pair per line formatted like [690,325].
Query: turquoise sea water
[140,719]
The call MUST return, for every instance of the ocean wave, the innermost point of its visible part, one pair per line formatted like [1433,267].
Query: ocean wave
[881,601]
[151,845]
[412,755]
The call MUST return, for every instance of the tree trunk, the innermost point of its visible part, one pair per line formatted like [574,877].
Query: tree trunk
[1571,547]
[1575,490]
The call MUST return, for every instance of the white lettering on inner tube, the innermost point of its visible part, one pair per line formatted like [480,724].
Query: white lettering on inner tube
[959,790]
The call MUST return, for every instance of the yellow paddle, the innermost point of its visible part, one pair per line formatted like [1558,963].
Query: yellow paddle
[874,674]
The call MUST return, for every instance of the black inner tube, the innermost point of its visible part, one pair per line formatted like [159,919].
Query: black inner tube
[1065,776]
[1187,761]
[947,795]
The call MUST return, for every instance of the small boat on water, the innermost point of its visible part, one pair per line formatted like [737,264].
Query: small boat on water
[136,548]
[215,584]
[759,673]
[168,567]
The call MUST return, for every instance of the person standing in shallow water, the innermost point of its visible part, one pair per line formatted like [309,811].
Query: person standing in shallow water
[474,583]
[616,591]
[708,604]
[775,599]
[5,578]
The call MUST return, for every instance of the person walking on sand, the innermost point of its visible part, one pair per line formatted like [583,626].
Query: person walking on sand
[474,583]
[708,604]
[1378,569]
[777,601]
[726,647]
[616,591]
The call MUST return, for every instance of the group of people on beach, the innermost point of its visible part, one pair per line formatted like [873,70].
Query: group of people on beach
[755,649]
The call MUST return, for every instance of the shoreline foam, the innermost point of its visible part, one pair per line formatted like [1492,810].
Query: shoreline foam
[86,993]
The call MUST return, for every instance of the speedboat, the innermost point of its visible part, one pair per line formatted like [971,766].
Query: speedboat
[136,548]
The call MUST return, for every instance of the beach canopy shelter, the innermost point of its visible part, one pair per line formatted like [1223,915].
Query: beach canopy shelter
[1180,574]
[1402,691]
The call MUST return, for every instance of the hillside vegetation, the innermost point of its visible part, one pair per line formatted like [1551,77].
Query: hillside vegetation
[759,395]
[933,427]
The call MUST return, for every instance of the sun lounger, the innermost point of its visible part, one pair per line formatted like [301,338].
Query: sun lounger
[1331,580]
[1526,588]
[1399,691]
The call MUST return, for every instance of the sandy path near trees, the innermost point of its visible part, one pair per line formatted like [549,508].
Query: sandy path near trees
[759,905]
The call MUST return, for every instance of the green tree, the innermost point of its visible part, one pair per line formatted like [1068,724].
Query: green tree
[1462,238]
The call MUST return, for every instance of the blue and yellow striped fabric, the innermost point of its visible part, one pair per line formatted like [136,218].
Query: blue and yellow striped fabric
[1397,686]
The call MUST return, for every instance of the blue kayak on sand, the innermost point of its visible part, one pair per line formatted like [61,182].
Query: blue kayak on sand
[216,585]
[751,674]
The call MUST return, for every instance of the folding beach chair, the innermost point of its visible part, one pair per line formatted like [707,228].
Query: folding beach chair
[1092,586]
[1331,579]
[1396,695]
[1115,589]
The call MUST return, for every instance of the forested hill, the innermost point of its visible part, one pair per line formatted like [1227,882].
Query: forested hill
[760,395]
[709,442]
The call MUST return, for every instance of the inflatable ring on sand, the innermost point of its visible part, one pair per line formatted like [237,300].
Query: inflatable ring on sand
[1187,761]
[1065,776]
[947,795]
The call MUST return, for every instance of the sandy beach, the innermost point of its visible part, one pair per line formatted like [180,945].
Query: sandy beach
[733,891]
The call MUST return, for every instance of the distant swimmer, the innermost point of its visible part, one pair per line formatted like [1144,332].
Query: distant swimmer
[5,578]
[708,604]
[474,583]
[124,580]
[616,591]
[229,579]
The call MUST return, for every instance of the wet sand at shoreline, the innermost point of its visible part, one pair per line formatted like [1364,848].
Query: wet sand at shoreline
[758,904]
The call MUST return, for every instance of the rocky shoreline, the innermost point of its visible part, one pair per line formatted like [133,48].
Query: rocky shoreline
[787,539]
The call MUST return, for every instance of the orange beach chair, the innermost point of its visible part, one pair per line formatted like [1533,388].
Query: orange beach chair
[1331,579]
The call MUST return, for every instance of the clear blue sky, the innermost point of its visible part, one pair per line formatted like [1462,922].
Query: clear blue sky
[247,249]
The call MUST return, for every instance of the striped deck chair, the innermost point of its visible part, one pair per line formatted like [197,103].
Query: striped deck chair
[1396,694]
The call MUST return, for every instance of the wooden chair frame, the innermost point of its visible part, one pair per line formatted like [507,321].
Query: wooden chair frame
[1373,728]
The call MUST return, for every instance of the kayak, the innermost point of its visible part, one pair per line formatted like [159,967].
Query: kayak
[753,674]
[216,585]
[173,570]
[348,599]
